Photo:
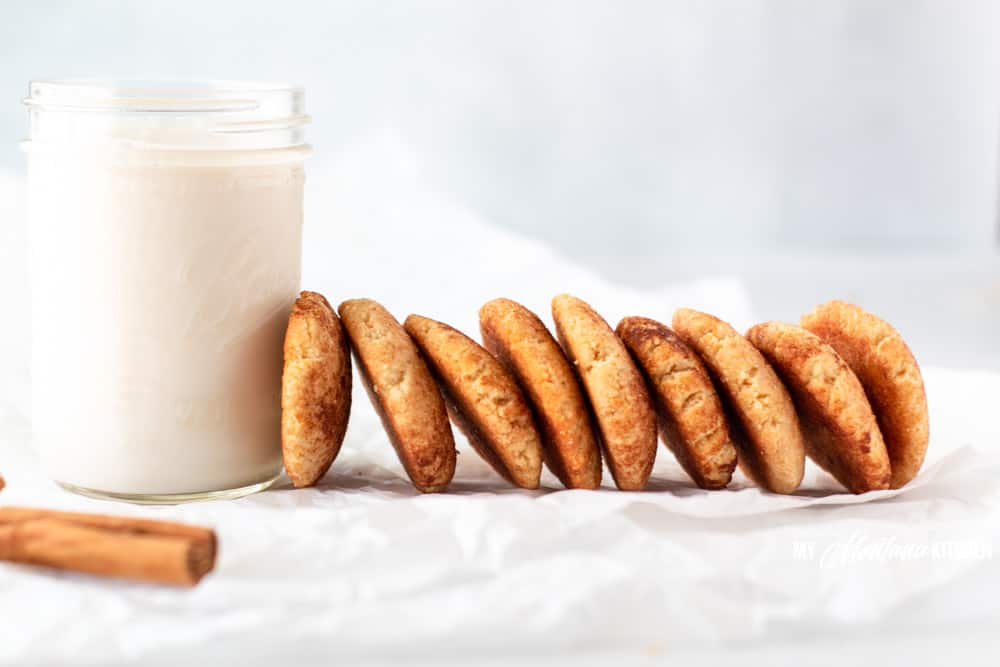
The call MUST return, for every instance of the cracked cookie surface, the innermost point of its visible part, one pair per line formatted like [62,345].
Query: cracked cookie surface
[617,391]
[764,424]
[521,341]
[692,421]
[315,389]
[890,375]
[483,399]
[839,427]
[403,392]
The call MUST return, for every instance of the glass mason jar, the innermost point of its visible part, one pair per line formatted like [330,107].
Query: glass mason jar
[165,225]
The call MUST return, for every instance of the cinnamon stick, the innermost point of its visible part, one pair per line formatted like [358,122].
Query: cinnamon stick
[113,546]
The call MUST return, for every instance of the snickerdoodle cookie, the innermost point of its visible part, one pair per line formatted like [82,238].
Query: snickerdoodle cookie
[621,404]
[841,434]
[890,375]
[315,389]
[483,400]
[692,421]
[403,392]
[764,424]
[520,341]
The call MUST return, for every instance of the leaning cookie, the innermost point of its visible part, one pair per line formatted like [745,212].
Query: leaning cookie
[617,391]
[483,400]
[841,434]
[315,389]
[520,341]
[890,375]
[692,420]
[403,392]
[764,425]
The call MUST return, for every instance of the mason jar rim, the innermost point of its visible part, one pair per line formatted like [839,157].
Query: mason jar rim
[162,96]
[118,116]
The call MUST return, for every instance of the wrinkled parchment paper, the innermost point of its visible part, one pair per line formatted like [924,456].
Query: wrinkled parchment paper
[363,567]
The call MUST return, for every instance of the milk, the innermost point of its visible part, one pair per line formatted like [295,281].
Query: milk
[161,284]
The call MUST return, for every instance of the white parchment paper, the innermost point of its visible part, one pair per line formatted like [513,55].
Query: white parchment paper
[363,567]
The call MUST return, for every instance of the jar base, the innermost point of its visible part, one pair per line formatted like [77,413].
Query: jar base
[170,498]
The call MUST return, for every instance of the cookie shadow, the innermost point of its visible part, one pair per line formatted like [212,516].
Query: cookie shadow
[402,487]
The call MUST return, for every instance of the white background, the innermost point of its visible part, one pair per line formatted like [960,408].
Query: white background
[605,127]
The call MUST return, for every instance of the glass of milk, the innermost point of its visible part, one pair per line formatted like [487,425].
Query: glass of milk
[165,244]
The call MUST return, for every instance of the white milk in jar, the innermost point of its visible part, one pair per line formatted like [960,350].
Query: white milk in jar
[165,240]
